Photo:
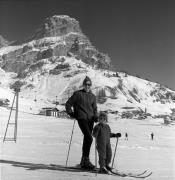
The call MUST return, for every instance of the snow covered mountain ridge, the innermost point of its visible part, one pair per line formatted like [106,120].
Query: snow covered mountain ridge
[53,63]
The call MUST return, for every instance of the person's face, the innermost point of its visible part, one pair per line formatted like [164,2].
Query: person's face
[103,119]
[87,86]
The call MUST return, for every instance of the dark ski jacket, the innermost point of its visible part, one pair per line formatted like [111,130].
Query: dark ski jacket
[84,105]
[102,133]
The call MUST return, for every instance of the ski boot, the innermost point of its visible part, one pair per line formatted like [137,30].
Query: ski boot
[103,170]
[86,164]
[109,168]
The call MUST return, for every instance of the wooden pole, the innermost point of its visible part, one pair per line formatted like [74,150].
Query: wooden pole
[9,118]
[16,115]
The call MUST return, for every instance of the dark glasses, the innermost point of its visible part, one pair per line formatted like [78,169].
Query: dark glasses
[86,84]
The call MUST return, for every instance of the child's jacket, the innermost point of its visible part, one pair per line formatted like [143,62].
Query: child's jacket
[102,133]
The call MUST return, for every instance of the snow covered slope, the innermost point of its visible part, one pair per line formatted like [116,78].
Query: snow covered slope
[43,141]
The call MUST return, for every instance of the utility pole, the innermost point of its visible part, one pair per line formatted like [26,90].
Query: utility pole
[16,88]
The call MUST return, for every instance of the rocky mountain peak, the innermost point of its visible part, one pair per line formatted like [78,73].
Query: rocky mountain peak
[57,25]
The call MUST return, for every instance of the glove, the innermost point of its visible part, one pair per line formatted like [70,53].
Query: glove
[71,115]
[117,135]
[95,118]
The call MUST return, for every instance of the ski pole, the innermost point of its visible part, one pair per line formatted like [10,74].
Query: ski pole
[70,142]
[96,156]
[115,152]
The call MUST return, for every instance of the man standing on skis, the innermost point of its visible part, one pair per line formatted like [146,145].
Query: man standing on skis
[84,110]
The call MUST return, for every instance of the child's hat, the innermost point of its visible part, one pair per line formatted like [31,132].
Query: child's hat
[102,114]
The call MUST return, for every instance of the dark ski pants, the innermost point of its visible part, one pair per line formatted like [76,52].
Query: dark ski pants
[86,128]
[105,154]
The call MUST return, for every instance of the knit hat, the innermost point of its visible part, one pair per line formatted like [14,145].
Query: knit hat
[86,80]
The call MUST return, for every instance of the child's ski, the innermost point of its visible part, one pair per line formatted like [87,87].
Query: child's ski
[134,175]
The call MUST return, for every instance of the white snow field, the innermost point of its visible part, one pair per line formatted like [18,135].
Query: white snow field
[43,141]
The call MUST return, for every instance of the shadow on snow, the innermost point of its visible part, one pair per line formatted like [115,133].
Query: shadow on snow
[33,166]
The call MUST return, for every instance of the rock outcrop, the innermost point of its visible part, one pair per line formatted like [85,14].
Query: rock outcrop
[57,26]
[58,36]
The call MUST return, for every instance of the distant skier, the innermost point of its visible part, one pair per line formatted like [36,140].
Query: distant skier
[102,134]
[152,136]
[126,136]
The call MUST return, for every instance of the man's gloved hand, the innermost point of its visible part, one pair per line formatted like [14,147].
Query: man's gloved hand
[117,135]
[95,118]
[71,115]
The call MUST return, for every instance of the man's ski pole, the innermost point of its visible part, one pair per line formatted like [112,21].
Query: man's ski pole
[70,142]
[115,152]
[96,156]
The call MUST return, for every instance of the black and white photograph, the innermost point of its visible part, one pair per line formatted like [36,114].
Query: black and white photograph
[87,89]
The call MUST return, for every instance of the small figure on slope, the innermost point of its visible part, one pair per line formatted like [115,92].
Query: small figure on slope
[152,136]
[126,136]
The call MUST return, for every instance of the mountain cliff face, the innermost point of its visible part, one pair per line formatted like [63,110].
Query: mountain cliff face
[54,62]
[58,36]
[57,26]
[51,42]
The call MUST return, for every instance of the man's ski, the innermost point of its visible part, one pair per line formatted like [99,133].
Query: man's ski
[76,168]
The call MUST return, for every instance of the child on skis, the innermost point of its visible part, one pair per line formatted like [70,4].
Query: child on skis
[102,134]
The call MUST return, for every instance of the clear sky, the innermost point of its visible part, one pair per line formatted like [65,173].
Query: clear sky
[138,35]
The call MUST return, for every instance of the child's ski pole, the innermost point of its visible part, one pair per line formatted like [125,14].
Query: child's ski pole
[115,152]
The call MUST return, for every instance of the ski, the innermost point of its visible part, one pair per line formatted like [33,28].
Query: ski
[134,175]
[76,168]
[145,176]
[83,169]
[141,176]
[114,172]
